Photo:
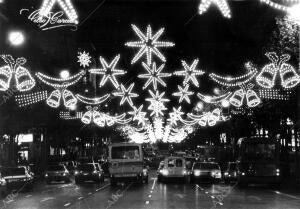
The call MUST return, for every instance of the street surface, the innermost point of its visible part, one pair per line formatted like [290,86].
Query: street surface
[154,195]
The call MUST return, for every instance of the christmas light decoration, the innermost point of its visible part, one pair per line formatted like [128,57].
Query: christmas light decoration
[221,4]
[214,99]
[238,96]
[126,94]
[23,80]
[108,71]
[279,6]
[65,115]
[235,81]
[175,116]
[208,118]
[183,93]
[138,115]
[274,94]
[157,103]
[289,77]
[154,75]
[66,5]
[190,72]
[32,98]
[92,101]
[158,128]
[84,59]
[148,44]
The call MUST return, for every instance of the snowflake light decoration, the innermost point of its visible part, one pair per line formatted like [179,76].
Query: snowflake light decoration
[138,114]
[154,75]
[183,93]
[157,103]
[108,71]
[190,72]
[148,44]
[221,4]
[84,59]
[126,94]
[175,116]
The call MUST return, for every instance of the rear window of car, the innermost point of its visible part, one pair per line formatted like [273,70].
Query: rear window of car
[175,163]
[13,171]
[209,166]
[86,167]
[56,168]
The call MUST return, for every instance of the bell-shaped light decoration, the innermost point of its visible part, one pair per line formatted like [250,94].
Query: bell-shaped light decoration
[266,78]
[289,77]
[69,99]
[252,99]
[213,117]
[110,120]
[24,81]
[98,118]
[5,77]
[87,117]
[54,99]
[237,98]
[202,121]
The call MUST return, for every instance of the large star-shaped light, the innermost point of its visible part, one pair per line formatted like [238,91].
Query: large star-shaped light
[138,114]
[126,94]
[183,94]
[157,103]
[221,4]
[66,5]
[154,75]
[148,44]
[190,72]
[175,116]
[108,71]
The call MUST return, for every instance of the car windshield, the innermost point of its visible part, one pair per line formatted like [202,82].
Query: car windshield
[259,151]
[86,167]
[125,152]
[209,166]
[56,168]
[13,171]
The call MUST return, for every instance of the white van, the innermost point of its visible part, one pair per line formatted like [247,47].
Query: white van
[126,162]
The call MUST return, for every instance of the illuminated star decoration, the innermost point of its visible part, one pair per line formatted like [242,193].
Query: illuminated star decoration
[126,94]
[183,94]
[84,59]
[190,72]
[138,114]
[66,5]
[154,75]
[148,44]
[157,103]
[175,116]
[221,4]
[108,71]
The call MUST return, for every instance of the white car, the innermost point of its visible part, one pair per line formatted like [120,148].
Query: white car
[173,167]
[206,171]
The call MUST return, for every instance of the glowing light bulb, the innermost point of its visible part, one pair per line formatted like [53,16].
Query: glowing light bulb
[64,74]
[16,38]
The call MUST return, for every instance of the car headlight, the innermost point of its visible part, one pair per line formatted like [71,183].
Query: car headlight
[164,172]
[277,172]
[243,174]
[197,173]
[76,172]
[46,175]
[226,174]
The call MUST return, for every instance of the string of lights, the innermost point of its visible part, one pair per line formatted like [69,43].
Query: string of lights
[93,100]
[32,98]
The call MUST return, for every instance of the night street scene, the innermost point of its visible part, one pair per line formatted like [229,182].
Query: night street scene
[149,104]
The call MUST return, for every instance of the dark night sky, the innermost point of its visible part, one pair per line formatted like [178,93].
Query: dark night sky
[222,45]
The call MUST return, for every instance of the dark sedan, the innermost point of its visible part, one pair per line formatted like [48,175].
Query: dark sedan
[57,173]
[230,174]
[89,172]
[17,178]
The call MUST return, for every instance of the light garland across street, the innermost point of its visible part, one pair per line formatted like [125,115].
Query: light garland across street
[31,98]
[92,100]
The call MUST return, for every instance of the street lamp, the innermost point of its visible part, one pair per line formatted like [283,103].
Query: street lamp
[16,38]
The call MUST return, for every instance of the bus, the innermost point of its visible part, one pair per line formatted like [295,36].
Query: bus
[126,162]
[258,161]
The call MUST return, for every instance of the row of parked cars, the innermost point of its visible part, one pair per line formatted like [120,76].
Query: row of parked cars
[178,167]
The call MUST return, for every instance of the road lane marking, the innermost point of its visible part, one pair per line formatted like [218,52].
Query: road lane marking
[80,198]
[27,196]
[147,202]
[153,184]
[67,204]
[97,190]
[47,198]
[287,195]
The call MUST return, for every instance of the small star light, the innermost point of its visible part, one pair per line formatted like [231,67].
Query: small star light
[221,4]
[190,72]
[138,114]
[84,59]
[154,75]
[183,94]
[108,71]
[148,44]
[157,103]
[175,116]
[126,94]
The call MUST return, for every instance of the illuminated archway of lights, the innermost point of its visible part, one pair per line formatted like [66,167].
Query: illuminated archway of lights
[221,4]
[66,5]
[108,71]
[148,44]
[13,68]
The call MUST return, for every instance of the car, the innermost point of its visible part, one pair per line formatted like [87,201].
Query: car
[206,171]
[57,173]
[71,165]
[230,174]
[173,167]
[89,172]
[2,186]
[17,178]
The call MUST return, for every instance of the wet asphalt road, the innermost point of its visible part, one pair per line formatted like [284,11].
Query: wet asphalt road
[154,195]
